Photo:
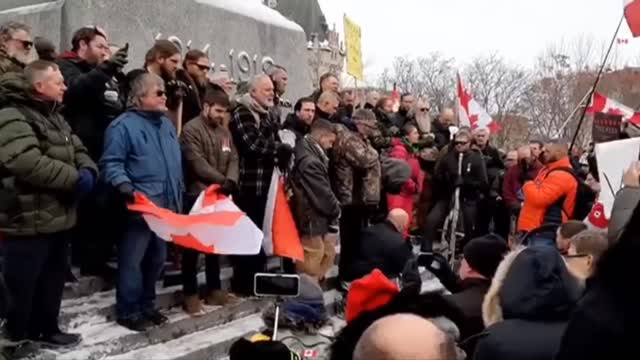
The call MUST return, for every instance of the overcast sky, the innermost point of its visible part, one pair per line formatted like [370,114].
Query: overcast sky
[517,29]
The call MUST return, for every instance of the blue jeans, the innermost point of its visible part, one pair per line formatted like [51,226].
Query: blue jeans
[141,257]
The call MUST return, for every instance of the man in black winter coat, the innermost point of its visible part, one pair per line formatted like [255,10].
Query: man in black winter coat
[403,117]
[92,100]
[93,97]
[481,259]
[381,246]
[472,182]
[492,204]
[299,122]
[440,128]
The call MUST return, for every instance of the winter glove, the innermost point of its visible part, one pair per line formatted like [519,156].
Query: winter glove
[283,156]
[228,187]
[126,191]
[117,62]
[85,183]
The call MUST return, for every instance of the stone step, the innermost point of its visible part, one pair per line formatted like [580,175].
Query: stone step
[102,304]
[104,338]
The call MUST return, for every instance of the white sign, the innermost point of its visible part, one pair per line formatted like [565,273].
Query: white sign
[614,158]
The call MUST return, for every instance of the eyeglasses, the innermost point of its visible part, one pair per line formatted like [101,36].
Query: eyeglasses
[27,44]
[160,93]
[202,66]
[575,256]
[424,109]
[456,143]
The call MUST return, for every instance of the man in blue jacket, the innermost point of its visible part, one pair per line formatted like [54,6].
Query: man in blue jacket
[142,154]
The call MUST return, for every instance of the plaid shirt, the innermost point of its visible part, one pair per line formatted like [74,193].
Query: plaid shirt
[256,146]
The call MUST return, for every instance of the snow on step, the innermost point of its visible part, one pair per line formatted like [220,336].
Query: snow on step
[197,344]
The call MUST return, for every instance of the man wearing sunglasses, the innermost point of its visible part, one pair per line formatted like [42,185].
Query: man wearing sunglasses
[15,46]
[472,181]
[194,73]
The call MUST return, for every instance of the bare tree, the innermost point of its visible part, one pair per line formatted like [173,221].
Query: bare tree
[436,79]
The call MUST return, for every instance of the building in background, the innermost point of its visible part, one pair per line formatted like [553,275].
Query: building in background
[325,50]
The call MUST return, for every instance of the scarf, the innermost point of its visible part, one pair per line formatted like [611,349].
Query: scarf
[253,106]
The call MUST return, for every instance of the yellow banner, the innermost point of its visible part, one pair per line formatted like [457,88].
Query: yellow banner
[354,52]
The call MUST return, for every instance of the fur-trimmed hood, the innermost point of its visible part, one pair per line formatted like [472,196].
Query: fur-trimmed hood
[531,284]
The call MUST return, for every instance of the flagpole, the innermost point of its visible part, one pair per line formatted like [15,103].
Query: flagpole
[595,84]
[575,110]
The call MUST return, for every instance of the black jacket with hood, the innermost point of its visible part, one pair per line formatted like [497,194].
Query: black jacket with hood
[93,99]
[528,306]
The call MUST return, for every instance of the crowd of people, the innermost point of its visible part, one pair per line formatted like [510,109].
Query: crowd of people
[79,138]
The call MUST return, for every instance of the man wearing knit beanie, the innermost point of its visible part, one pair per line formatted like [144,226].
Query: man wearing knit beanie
[481,259]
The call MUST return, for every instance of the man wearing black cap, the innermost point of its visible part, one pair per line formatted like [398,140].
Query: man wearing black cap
[481,259]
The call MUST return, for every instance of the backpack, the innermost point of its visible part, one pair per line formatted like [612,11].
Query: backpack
[584,196]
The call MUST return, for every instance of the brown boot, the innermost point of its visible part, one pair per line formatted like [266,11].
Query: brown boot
[193,306]
[221,298]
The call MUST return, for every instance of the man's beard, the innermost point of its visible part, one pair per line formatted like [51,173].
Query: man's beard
[23,58]
[166,74]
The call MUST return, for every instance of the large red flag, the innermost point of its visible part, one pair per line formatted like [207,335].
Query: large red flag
[632,14]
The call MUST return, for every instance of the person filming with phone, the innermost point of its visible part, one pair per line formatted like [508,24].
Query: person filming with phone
[92,101]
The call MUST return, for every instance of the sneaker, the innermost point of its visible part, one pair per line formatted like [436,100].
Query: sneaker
[156,318]
[59,340]
[193,306]
[221,298]
[135,323]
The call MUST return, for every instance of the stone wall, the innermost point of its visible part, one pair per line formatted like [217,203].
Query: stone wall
[245,29]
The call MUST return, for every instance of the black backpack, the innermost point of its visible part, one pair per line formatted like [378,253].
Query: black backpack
[584,196]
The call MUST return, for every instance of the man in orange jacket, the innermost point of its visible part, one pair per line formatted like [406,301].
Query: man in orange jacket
[551,197]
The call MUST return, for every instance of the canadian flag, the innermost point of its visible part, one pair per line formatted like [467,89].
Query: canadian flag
[603,104]
[597,219]
[471,113]
[632,14]
[214,225]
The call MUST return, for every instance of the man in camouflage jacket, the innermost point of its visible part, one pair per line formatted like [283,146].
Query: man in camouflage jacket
[356,179]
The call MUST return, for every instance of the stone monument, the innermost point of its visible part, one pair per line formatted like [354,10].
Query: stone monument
[244,36]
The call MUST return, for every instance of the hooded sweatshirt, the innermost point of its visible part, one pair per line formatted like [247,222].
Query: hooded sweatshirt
[527,306]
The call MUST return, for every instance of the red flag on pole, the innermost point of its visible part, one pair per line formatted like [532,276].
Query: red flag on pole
[632,14]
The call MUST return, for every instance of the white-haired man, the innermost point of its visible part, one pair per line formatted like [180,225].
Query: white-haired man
[255,134]
[15,46]
[142,154]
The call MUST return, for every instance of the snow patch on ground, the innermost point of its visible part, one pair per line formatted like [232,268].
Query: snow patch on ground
[254,9]
[198,340]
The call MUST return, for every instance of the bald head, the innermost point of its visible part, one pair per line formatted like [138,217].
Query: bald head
[403,337]
[447,117]
[554,152]
[399,218]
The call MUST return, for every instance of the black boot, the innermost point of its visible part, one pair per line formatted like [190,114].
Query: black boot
[59,340]
[135,323]
[156,318]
